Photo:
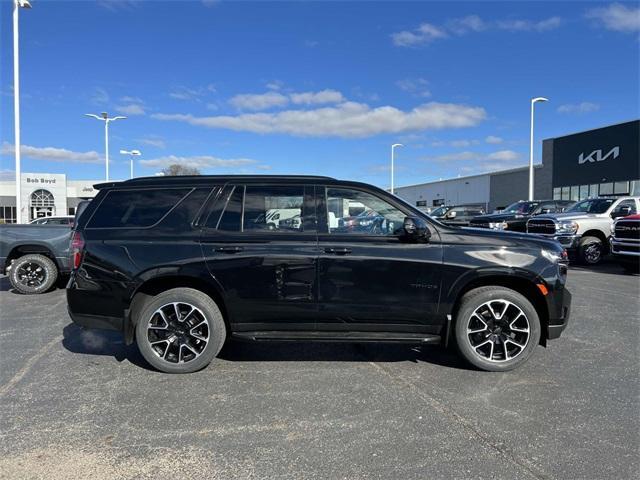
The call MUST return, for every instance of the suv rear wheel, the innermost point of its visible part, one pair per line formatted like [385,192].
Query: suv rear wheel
[590,250]
[180,331]
[497,329]
[33,273]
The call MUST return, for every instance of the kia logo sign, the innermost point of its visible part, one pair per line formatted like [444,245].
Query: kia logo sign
[596,156]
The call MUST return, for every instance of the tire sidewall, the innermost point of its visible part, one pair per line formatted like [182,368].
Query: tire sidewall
[208,307]
[473,300]
[50,269]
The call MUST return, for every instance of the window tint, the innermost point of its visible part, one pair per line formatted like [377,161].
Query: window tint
[631,204]
[273,208]
[184,214]
[232,215]
[135,208]
[357,212]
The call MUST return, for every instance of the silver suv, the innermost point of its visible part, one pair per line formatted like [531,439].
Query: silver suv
[584,228]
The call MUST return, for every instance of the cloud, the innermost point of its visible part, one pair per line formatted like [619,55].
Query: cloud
[6,174]
[259,101]
[52,154]
[479,162]
[201,162]
[492,139]
[311,98]
[311,43]
[275,85]
[414,86]
[426,33]
[617,17]
[116,5]
[462,143]
[131,109]
[578,108]
[99,96]
[346,120]
[210,3]
[267,100]
[191,94]
[153,141]
[550,23]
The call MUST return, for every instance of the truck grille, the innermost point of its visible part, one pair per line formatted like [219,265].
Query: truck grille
[545,227]
[627,229]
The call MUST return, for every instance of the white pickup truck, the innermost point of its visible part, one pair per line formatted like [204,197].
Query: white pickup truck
[585,227]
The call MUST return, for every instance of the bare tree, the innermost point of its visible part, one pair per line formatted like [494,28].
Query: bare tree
[177,169]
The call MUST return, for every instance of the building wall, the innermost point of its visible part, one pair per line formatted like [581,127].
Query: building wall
[457,191]
[513,185]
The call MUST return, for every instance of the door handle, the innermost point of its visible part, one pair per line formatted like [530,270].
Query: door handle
[338,251]
[229,249]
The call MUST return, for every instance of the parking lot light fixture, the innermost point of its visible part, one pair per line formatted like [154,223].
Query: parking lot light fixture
[131,153]
[104,116]
[393,149]
[533,102]
[17,5]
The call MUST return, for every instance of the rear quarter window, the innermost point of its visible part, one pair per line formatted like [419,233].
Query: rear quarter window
[135,208]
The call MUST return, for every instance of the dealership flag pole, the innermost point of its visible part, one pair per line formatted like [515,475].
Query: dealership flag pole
[17,5]
[533,101]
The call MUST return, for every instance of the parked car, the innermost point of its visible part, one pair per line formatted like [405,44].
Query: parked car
[585,227]
[514,217]
[66,220]
[175,264]
[456,215]
[625,242]
[33,256]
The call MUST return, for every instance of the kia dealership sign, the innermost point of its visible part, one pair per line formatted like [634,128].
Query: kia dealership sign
[606,154]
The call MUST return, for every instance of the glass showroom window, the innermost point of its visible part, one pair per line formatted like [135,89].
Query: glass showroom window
[635,188]
[8,214]
[606,188]
[566,193]
[584,192]
[593,190]
[621,188]
[575,193]
[557,194]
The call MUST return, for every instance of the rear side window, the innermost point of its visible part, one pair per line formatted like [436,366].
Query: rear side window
[273,208]
[135,208]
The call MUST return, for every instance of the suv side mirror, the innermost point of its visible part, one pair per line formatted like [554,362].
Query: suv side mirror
[416,229]
[451,214]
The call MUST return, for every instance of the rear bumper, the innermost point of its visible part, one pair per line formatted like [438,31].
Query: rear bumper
[559,305]
[95,305]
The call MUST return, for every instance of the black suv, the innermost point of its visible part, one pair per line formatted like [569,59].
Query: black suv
[458,215]
[180,264]
[514,217]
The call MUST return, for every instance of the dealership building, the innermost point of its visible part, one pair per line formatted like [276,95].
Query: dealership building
[43,194]
[603,161]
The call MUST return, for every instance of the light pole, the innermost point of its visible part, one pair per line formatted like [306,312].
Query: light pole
[131,153]
[17,5]
[533,102]
[393,148]
[106,119]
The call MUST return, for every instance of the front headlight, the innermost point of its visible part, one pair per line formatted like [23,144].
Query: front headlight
[498,225]
[567,227]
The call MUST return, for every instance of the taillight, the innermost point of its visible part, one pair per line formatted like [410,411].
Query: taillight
[76,248]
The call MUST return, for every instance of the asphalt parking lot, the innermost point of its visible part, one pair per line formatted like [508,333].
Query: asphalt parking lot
[77,404]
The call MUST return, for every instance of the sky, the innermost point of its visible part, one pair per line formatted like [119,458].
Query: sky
[312,87]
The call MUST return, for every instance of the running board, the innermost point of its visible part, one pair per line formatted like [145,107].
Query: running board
[382,337]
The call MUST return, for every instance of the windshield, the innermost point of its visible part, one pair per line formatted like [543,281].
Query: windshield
[438,212]
[522,208]
[594,205]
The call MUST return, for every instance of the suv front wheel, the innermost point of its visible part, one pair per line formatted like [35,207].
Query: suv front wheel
[180,331]
[497,329]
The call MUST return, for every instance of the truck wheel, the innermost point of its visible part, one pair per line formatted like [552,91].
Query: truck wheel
[496,328]
[33,273]
[590,250]
[180,331]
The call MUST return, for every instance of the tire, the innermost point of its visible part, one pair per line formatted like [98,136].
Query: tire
[503,345]
[33,274]
[590,250]
[183,352]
